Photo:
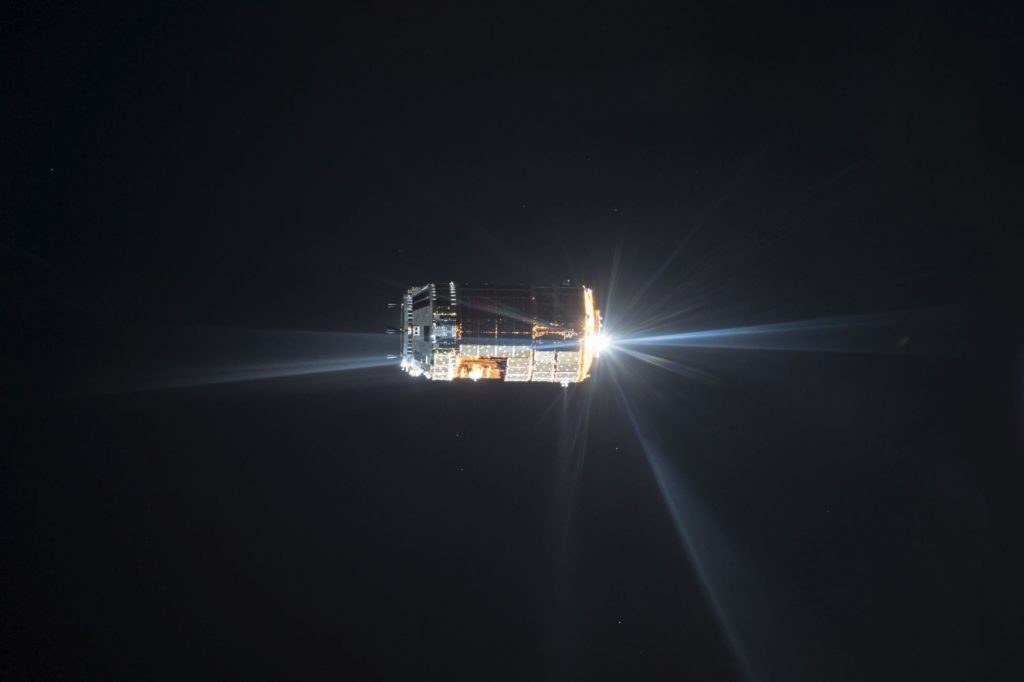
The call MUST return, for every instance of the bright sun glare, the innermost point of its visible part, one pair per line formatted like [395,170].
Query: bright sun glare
[602,342]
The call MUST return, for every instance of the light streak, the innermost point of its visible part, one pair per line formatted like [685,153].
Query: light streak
[721,571]
[894,332]
[225,375]
[674,366]
[240,355]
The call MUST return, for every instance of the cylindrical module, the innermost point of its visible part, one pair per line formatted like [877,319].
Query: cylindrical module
[518,332]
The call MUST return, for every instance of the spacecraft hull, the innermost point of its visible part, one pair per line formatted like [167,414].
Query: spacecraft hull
[520,332]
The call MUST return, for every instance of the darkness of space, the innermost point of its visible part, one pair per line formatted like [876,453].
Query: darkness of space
[184,181]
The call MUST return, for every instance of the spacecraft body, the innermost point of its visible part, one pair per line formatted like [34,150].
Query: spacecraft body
[515,332]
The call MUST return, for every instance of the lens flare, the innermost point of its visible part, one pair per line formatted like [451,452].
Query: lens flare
[601,343]
[928,331]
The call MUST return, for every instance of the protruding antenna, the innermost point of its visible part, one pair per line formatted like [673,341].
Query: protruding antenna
[392,306]
[392,356]
[393,330]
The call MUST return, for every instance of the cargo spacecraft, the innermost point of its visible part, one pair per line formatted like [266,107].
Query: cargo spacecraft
[521,332]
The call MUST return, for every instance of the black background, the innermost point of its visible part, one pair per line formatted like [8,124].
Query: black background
[172,171]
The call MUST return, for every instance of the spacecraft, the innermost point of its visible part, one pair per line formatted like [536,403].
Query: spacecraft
[520,332]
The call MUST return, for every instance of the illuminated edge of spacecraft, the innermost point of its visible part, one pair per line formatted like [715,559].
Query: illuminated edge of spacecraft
[562,353]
